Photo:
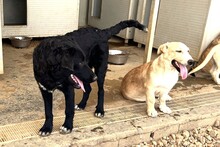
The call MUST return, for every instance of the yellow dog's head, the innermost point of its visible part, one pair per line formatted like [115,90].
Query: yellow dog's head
[178,55]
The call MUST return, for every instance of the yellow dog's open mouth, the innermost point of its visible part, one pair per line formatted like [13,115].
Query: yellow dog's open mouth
[181,69]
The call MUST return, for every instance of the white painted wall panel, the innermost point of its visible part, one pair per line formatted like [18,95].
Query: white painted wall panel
[112,12]
[212,28]
[83,13]
[143,14]
[193,22]
[46,18]
[182,21]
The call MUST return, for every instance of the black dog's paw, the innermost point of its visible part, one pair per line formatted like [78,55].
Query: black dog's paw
[67,126]
[99,114]
[45,131]
[65,130]
[78,108]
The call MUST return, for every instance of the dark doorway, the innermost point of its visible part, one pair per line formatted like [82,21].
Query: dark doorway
[15,12]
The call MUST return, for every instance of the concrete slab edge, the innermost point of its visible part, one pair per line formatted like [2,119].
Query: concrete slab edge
[129,132]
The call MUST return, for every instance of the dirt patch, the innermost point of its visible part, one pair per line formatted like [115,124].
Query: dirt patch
[27,56]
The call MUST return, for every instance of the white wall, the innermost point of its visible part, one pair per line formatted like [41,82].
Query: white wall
[193,22]
[212,28]
[46,18]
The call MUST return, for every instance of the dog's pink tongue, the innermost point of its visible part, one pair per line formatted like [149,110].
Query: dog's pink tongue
[183,71]
[80,84]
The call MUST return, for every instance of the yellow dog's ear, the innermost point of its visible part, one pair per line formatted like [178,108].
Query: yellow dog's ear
[162,48]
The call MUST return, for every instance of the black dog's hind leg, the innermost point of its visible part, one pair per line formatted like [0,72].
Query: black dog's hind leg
[69,110]
[100,71]
[48,124]
[100,105]
[85,98]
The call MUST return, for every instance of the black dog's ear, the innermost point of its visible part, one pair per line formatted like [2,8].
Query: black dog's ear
[76,51]
[72,55]
[67,62]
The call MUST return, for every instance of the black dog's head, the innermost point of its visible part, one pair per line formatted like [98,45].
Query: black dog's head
[74,60]
[72,63]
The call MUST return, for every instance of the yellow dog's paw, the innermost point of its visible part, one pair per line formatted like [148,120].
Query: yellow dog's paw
[165,109]
[152,113]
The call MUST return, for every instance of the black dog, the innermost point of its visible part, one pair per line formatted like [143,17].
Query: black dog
[58,60]
[60,64]
[94,43]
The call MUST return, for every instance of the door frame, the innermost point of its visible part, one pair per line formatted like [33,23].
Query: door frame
[1,50]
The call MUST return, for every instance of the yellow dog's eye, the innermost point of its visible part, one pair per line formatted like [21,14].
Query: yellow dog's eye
[179,51]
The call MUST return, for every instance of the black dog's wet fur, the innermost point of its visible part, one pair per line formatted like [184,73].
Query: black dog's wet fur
[56,58]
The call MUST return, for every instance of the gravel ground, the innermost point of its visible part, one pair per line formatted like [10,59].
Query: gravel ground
[200,137]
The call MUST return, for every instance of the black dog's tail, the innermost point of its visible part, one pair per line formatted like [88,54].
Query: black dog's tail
[122,25]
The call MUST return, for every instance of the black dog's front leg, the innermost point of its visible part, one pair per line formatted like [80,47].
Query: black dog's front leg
[48,124]
[100,105]
[69,110]
[99,112]
[85,98]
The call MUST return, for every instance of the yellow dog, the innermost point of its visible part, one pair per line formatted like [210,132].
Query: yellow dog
[157,78]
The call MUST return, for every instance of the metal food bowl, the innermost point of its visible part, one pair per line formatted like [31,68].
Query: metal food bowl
[20,41]
[117,57]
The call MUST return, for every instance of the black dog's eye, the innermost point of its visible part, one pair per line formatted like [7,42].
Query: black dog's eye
[79,65]
[179,51]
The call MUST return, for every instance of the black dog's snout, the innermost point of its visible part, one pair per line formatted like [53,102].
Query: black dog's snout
[191,62]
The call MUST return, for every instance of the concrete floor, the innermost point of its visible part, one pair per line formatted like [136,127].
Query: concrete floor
[21,102]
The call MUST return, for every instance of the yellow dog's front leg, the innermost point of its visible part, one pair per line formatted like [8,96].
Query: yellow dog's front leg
[163,107]
[150,101]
